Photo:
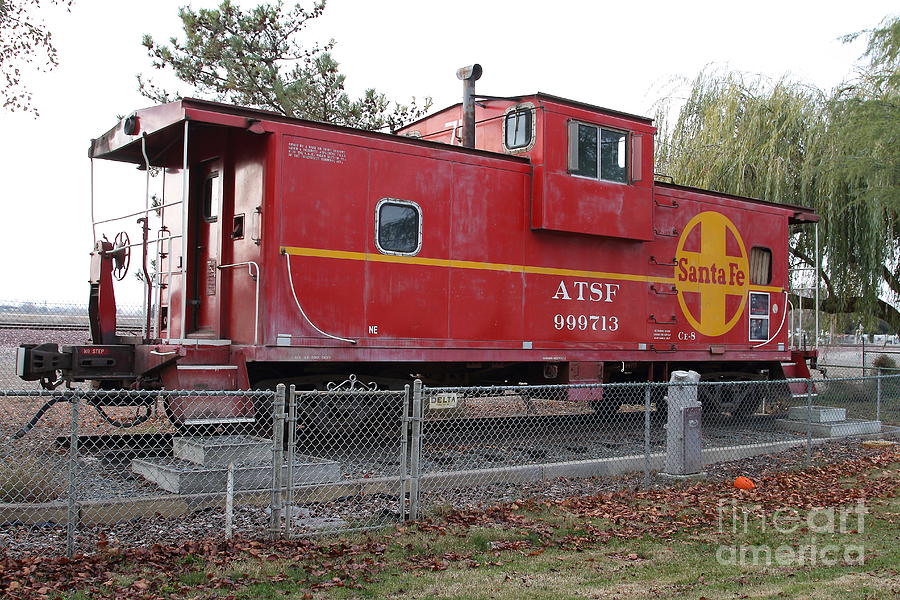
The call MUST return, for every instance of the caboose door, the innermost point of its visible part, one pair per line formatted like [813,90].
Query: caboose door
[204,243]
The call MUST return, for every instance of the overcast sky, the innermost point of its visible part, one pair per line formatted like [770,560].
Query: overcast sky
[621,55]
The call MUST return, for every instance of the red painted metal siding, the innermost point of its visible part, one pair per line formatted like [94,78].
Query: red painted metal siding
[519,261]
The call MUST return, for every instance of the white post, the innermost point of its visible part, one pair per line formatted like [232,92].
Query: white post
[185,191]
[229,502]
[818,277]
[683,456]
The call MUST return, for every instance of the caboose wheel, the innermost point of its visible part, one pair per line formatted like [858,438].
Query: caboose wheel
[739,399]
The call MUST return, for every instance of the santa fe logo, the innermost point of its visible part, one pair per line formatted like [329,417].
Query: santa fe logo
[711,273]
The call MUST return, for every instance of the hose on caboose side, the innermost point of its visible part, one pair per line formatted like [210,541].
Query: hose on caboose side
[287,258]
[138,419]
[37,416]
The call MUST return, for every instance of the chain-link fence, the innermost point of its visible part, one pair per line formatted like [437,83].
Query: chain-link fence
[80,469]
[345,466]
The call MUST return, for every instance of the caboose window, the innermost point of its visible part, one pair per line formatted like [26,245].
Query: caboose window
[211,197]
[398,227]
[759,317]
[760,266]
[597,152]
[517,129]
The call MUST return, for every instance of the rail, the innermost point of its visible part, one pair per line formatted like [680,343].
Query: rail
[69,323]
[138,213]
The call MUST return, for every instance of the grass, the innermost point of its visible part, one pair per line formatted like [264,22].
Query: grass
[26,480]
[684,566]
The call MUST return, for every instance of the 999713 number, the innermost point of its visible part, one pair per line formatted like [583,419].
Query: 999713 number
[585,322]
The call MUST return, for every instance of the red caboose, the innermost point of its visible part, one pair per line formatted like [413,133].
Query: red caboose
[301,252]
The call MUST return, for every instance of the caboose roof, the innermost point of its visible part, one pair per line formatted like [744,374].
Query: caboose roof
[542,96]
[163,125]
[801,214]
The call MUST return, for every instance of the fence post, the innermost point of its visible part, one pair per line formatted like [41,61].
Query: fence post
[229,502]
[404,452]
[809,393]
[277,443]
[864,355]
[72,512]
[416,450]
[291,442]
[647,434]
[878,374]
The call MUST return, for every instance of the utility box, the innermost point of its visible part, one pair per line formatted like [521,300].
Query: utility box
[683,445]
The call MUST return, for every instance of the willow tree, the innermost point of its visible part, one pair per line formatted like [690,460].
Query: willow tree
[256,57]
[788,142]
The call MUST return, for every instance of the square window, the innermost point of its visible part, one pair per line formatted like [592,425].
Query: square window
[518,129]
[759,304]
[587,151]
[597,153]
[211,195]
[612,155]
[398,227]
[759,330]
[759,317]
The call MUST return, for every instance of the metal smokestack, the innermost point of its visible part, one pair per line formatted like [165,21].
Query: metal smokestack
[469,76]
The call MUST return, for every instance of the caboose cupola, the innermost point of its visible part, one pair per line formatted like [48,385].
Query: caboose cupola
[592,167]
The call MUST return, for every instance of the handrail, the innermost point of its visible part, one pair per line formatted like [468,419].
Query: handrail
[250,264]
[138,213]
[145,234]
[185,195]
[117,248]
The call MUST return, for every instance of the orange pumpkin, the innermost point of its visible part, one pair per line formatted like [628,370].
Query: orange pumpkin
[744,483]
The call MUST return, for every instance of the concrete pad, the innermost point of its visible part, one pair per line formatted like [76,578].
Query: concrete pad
[845,428]
[219,450]
[182,477]
[817,414]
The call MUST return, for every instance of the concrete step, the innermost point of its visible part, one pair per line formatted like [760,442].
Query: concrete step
[219,450]
[834,429]
[184,477]
[817,414]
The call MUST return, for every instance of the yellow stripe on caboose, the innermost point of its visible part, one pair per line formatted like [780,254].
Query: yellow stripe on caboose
[483,266]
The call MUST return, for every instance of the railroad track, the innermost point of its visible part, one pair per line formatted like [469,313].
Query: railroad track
[62,322]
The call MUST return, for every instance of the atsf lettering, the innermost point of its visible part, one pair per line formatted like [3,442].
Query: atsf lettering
[587,291]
